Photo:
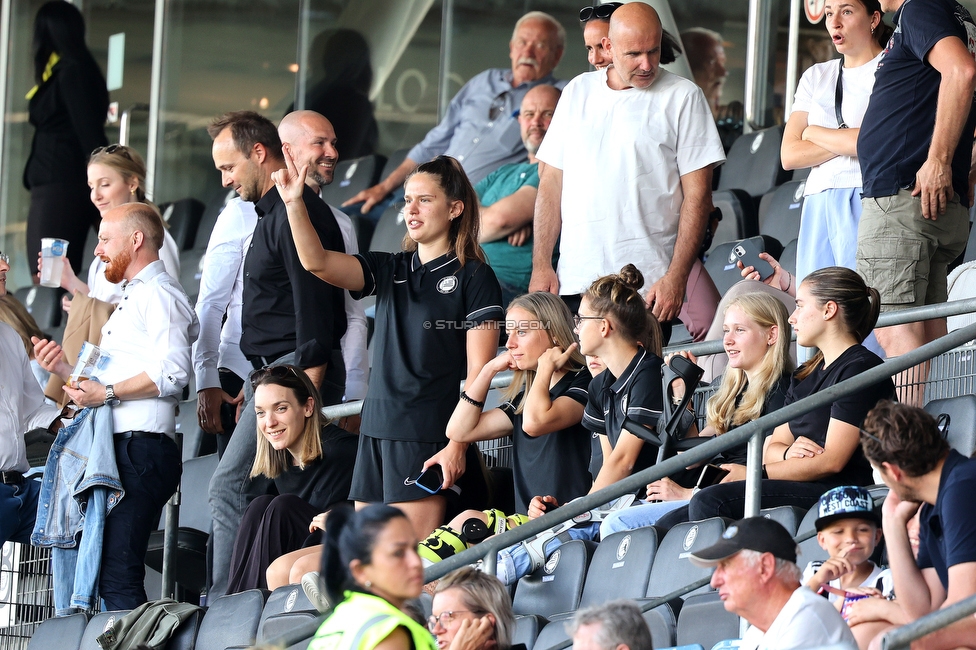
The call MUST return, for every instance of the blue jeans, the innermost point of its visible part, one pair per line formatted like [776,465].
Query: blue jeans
[514,563]
[637,516]
[18,509]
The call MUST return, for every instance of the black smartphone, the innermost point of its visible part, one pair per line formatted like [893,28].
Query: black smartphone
[747,251]
[711,475]
[431,479]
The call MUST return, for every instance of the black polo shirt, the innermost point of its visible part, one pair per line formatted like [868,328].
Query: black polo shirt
[555,463]
[636,395]
[325,481]
[285,307]
[423,313]
[896,131]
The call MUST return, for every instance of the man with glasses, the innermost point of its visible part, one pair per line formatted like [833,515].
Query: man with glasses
[22,408]
[145,349]
[904,445]
[648,200]
[479,128]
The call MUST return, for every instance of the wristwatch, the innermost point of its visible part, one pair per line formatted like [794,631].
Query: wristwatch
[110,398]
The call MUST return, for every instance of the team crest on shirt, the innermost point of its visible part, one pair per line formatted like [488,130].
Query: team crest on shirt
[623,404]
[448,284]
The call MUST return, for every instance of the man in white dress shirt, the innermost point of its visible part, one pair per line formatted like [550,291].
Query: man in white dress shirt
[22,408]
[309,138]
[147,342]
[220,366]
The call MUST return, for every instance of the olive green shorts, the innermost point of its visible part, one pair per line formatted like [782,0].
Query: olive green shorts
[905,256]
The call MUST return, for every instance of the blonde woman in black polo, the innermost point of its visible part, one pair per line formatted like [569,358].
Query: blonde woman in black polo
[437,307]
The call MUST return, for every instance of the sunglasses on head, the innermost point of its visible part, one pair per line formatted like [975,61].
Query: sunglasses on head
[120,149]
[275,372]
[599,12]
[4,258]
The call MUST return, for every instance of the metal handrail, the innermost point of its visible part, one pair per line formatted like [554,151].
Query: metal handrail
[502,380]
[488,549]
[702,452]
[901,637]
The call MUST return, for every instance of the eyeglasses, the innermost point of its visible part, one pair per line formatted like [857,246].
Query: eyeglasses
[497,106]
[275,372]
[599,12]
[4,258]
[444,618]
[577,319]
[120,149]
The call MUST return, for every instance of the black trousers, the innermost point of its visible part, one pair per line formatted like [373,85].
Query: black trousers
[271,527]
[65,211]
[150,471]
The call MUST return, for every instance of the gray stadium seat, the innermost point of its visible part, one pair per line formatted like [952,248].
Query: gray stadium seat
[809,549]
[43,303]
[788,259]
[552,634]
[185,637]
[98,624]
[390,229]
[970,254]
[779,213]
[704,620]
[961,410]
[352,177]
[621,566]
[660,622]
[753,163]
[672,569]
[214,206]
[194,530]
[393,162]
[232,621]
[789,516]
[557,586]
[739,218]
[64,633]
[286,608]
[527,630]
[191,269]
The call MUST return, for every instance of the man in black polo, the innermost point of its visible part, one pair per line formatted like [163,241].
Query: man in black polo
[288,315]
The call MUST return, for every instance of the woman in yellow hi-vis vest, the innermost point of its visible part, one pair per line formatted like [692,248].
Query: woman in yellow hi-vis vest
[370,567]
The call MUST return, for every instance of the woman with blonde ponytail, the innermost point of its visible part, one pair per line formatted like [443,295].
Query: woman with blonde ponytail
[819,450]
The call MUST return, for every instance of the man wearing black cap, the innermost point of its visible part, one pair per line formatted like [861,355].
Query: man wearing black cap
[757,578]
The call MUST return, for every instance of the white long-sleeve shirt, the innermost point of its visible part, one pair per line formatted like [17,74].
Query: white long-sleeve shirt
[353,342]
[151,331]
[221,292]
[22,405]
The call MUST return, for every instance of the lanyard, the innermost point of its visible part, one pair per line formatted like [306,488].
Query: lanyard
[839,95]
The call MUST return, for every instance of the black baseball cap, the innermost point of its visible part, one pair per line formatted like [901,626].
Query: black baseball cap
[846,502]
[754,534]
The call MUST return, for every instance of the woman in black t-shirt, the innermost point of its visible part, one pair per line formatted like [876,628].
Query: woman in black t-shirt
[310,463]
[437,307]
[543,405]
[820,450]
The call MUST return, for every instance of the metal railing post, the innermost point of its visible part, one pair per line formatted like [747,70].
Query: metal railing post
[754,466]
[171,531]
[901,638]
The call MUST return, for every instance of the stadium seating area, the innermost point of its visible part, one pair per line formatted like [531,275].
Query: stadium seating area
[756,197]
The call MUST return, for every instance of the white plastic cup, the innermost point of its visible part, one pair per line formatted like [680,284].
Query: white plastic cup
[53,252]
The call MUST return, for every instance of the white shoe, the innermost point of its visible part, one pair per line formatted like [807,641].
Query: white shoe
[312,589]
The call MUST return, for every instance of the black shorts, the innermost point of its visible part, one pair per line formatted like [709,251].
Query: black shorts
[383,465]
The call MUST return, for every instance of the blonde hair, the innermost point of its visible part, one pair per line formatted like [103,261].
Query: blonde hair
[483,594]
[554,315]
[272,462]
[127,162]
[739,400]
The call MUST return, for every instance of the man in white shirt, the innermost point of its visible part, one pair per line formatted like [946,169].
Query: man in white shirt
[147,344]
[218,362]
[629,157]
[22,408]
[309,138]
[757,578]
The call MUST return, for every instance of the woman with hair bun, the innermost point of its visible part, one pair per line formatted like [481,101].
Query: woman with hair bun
[611,323]
[370,570]
[819,450]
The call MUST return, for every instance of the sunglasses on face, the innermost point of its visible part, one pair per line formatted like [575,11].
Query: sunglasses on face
[598,12]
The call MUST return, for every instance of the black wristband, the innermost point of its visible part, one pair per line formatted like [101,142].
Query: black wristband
[786,451]
[764,474]
[471,400]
